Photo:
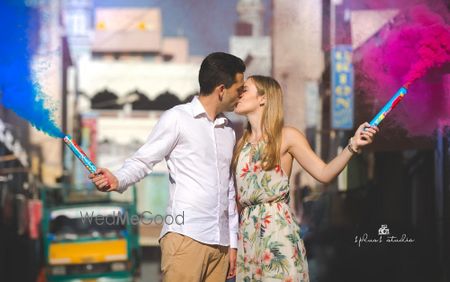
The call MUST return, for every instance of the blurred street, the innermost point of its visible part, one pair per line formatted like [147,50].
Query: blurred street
[109,69]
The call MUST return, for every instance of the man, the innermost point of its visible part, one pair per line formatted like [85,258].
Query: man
[197,142]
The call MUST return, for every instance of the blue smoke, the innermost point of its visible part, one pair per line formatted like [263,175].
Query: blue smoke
[19,31]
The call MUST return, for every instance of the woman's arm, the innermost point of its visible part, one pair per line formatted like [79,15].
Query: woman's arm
[300,149]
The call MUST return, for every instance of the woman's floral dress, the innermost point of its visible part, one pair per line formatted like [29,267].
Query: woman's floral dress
[269,246]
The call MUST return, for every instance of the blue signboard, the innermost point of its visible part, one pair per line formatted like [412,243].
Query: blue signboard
[342,87]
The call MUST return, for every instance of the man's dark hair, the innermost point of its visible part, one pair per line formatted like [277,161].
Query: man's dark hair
[219,68]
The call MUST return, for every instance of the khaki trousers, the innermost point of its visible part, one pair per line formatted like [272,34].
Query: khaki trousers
[186,260]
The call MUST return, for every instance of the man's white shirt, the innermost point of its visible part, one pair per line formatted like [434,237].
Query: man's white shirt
[198,153]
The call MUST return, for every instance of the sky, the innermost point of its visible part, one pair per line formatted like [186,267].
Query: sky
[207,24]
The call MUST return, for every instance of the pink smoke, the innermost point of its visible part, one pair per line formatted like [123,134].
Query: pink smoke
[434,46]
[413,51]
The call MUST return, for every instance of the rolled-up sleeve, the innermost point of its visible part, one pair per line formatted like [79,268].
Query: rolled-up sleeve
[233,216]
[159,144]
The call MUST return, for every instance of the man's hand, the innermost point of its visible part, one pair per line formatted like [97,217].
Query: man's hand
[104,180]
[232,269]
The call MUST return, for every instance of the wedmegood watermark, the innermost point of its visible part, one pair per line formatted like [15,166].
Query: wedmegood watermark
[118,217]
[384,236]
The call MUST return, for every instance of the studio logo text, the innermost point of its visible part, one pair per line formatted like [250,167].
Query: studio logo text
[384,237]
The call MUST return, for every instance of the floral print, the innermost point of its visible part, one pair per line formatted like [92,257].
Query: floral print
[269,245]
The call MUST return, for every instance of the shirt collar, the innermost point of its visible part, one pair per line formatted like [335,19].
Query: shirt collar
[198,110]
[197,107]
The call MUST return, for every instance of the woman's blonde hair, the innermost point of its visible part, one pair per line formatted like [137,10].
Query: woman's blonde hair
[271,123]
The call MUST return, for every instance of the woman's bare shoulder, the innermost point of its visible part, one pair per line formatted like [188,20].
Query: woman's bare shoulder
[291,135]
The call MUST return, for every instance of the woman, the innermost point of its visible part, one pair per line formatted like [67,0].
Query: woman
[269,246]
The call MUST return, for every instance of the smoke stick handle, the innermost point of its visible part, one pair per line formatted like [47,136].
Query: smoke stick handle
[78,152]
[392,103]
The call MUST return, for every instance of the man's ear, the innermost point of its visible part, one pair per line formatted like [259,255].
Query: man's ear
[221,90]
